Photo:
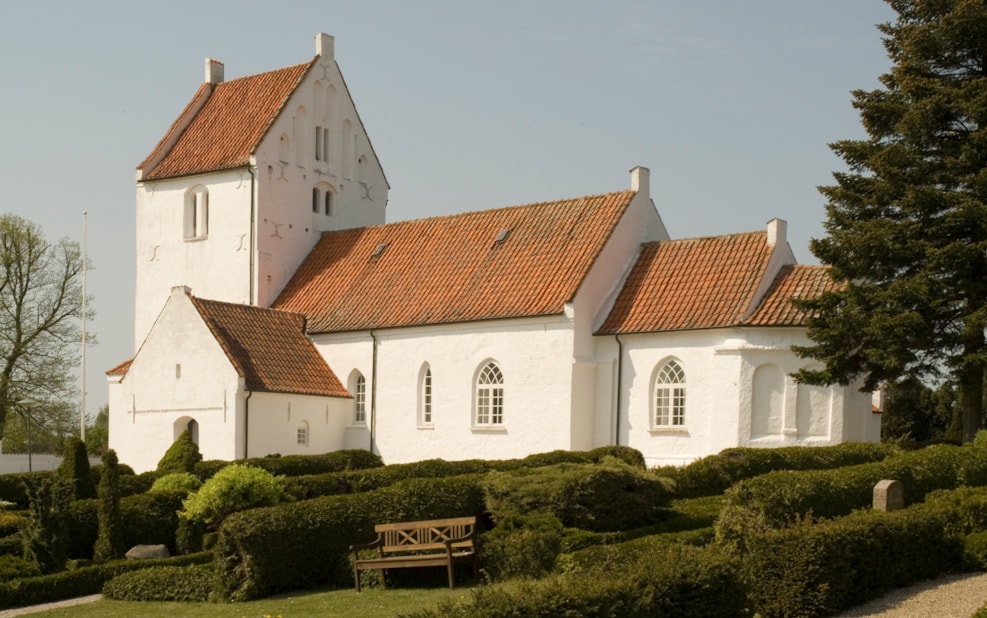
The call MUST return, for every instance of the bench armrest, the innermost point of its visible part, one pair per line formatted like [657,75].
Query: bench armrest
[362,546]
[451,542]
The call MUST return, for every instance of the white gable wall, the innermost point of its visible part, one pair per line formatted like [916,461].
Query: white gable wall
[275,420]
[179,373]
[535,356]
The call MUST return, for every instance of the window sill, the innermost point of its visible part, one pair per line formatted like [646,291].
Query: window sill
[426,427]
[488,429]
[195,238]
[669,431]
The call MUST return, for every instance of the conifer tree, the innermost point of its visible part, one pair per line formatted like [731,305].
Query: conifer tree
[907,223]
[109,539]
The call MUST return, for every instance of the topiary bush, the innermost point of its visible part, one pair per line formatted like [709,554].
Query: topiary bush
[109,533]
[181,456]
[186,584]
[45,535]
[234,488]
[602,497]
[146,519]
[299,465]
[75,468]
[177,481]
[521,546]
[15,567]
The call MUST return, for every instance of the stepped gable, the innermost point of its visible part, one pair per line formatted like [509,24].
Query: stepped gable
[690,284]
[269,349]
[512,262]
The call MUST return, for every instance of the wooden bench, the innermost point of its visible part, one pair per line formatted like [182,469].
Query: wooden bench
[418,544]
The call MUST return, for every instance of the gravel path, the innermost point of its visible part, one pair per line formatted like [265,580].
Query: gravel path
[950,596]
[31,609]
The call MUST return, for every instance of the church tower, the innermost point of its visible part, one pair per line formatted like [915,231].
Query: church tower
[245,181]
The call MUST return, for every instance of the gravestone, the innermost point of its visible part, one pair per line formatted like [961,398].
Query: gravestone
[889,496]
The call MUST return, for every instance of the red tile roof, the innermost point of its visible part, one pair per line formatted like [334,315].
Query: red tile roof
[690,284]
[269,349]
[120,369]
[794,281]
[453,269]
[226,130]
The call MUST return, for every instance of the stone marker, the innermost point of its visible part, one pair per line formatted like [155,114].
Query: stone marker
[148,552]
[889,496]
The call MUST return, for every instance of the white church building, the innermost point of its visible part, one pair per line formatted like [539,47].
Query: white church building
[277,312]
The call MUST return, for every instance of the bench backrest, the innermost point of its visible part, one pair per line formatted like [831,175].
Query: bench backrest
[425,535]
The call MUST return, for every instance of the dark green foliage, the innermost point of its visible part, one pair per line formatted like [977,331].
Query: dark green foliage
[109,538]
[98,436]
[187,584]
[147,519]
[298,465]
[780,498]
[818,569]
[82,581]
[11,523]
[975,551]
[522,546]
[305,544]
[917,414]
[907,223]
[75,468]
[14,567]
[45,535]
[12,486]
[679,581]
[189,536]
[181,456]
[715,474]
[11,545]
[598,497]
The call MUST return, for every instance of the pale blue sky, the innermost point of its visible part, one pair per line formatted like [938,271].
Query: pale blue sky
[469,106]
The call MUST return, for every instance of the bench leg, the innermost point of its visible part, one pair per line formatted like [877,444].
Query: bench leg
[452,576]
[356,577]
[383,578]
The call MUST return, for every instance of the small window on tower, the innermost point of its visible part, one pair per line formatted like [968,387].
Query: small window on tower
[328,204]
[315,200]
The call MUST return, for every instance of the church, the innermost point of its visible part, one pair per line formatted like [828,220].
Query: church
[276,311]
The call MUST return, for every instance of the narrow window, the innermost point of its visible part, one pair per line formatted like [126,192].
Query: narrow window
[669,398]
[318,144]
[490,396]
[325,145]
[196,219]
[425,398]
[328,204]
[301,436]
[360,400]
[315,200]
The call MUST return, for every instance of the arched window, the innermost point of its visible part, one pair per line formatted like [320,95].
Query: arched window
[328,203]
[490,395]
[315,199]
[196,220]
[425,397]
[669,396]
[359,399]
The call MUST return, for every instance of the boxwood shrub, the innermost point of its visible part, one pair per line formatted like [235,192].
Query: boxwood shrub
[714,474]
[780,498]
[193,583]
[305,544]
[675,581]
[298,465]
[80,582]
[599,497]
[146,519]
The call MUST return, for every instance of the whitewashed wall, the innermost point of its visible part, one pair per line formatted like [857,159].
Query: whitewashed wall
[535,356]
[275,419]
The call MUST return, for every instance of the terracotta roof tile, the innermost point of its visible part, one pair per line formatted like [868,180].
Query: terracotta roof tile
[120,369]
[226,130]
[269,349]
[690,284]
[795,281]
[453,269]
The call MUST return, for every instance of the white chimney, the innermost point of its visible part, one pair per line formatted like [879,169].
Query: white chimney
[214,71]
[324,46]
[641,180]
[777,232]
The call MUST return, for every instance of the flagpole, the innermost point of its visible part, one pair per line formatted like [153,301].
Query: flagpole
[85,267]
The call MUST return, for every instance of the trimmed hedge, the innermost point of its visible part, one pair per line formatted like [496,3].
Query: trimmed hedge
[193,583]
[823,568]
[598,497]
[146,519]
[80,582]
[714,474]
[303,545]
[679,581]
[298,465]
[783,497]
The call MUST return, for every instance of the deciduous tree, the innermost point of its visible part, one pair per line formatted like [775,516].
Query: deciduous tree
[907,222]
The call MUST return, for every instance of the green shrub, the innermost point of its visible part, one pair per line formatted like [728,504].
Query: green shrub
[676,581]
[193,583]
[75,468]
[177,481]
[299,465]
[817,569]
[109,532]
[12,486]
[599,497]
[714,474]
[14,567]
[11,523]
[522,546]
[305,544]
[975,551]
[11,545]
[45,535]
[146,519]
[181,456]
[234,488]
[80,582]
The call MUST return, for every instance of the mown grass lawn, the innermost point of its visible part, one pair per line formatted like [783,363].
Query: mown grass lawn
[371,603]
